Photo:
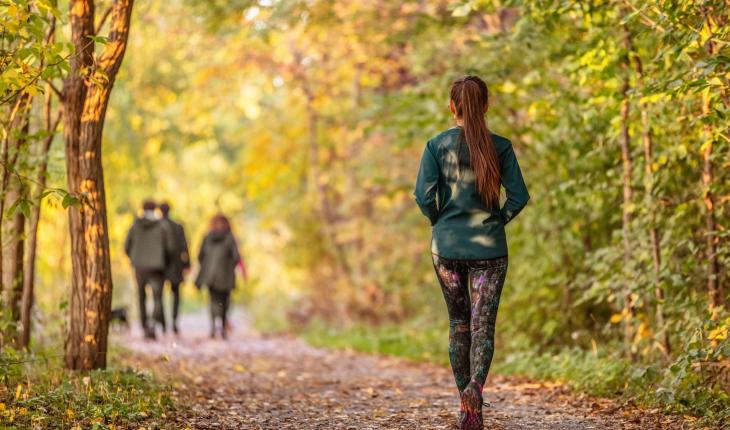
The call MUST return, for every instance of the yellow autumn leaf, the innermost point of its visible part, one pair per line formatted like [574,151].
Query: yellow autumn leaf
[719,333]
[643,332]
[615,318]
[705,145]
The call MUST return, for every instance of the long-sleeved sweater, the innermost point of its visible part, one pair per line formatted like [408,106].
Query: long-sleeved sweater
[464,226]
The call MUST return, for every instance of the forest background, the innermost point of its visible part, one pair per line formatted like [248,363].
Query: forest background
[305,121]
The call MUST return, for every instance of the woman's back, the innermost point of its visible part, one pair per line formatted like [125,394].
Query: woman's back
[218,258]
[464,226]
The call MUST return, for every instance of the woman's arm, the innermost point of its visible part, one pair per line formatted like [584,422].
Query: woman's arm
[128,242]
[235,254]
[514,186]
[236,257]
[427,184]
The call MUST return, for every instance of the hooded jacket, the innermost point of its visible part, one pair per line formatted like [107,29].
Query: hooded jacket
[218,257]
[149,244]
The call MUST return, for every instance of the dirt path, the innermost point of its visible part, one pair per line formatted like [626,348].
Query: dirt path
[258,382]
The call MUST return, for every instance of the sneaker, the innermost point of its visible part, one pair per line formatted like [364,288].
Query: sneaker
[470,416]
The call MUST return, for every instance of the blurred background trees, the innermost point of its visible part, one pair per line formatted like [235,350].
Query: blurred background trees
[305,120]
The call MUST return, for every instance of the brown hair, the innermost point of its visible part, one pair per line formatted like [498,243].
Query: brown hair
[220,224]
[471,99]
[149,205]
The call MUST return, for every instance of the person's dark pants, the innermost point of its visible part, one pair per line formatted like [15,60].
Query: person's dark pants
[175,287]
[155,279]
[219,303]
[472,289]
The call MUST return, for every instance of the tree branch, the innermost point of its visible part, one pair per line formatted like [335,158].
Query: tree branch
[103,19]
[645,18]
[32,81]
[51,125]
[51,35]
[55,89]
[111,57]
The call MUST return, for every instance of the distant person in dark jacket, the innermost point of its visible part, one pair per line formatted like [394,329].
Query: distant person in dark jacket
[149,245]
[218,259]
[178,262]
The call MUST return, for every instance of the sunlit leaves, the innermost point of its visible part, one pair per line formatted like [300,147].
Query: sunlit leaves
[26,56]
[231,104]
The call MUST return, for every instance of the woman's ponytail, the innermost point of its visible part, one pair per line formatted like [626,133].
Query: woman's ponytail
[471,98]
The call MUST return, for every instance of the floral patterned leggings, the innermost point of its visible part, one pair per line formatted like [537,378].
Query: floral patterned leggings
[471,289]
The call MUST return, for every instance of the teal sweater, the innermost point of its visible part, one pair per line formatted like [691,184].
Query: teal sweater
[464,227]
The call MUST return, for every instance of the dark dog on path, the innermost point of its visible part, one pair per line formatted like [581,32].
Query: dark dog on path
[118,318]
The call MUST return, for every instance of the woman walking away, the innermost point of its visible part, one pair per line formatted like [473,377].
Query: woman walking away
[458,189]
[218,258]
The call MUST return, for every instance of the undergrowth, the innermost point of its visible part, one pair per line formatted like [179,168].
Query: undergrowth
[37,393]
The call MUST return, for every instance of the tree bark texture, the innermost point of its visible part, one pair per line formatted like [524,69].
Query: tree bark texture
[85,99]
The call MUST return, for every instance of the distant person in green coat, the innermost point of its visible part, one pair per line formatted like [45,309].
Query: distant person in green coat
[458,189]
[218,258]
[178,263]
[149,245]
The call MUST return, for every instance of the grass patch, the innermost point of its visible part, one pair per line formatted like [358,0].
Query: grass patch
[418,342]
[37,393]
[674,387]
[582,370]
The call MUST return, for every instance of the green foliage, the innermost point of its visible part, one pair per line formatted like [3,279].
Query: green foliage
[27,57]
[36,393]
[415,340]
[680,387]
[305,122]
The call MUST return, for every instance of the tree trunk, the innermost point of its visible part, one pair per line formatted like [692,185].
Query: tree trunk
[648,144]
[13,250]
[17,113]
[714,287]
[14,226]
[32,239]
[647,140]
[628,196]
[85,103]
